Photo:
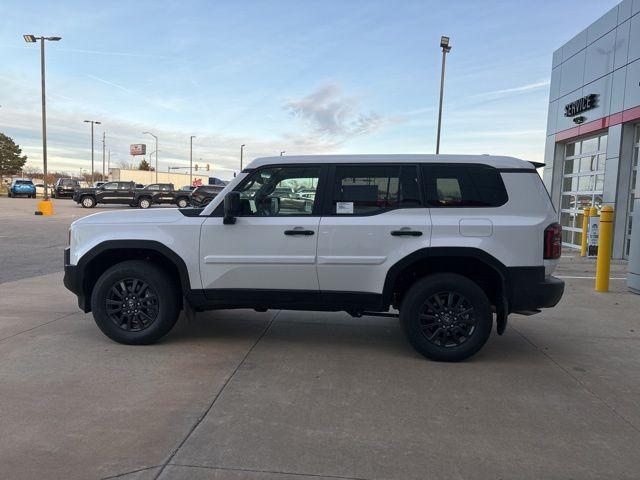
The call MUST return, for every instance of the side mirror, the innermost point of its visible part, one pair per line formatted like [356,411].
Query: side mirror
[231,208]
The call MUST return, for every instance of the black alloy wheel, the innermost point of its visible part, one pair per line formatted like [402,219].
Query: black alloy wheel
[132,304]
[447,319]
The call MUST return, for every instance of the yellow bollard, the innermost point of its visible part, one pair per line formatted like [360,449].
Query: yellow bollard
[45,207]
[603,262]
[585,229]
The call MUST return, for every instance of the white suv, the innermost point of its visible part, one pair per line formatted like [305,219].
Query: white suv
[449,241]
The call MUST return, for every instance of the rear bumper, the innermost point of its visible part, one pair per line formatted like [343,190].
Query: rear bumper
[531,290]
[74,282]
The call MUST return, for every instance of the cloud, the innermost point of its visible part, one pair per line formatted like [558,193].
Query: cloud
[514,90]
[334,116]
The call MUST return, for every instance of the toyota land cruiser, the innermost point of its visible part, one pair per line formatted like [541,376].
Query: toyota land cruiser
[453,243]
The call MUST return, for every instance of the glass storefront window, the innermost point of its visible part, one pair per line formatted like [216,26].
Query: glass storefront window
[584,166]
[632,189]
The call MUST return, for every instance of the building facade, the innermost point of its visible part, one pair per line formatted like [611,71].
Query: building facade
[593,125]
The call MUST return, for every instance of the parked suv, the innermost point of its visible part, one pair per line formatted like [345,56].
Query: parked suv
[65,188]
[110,192]
[452,243]
[161,193]
[21,187]
[201,196]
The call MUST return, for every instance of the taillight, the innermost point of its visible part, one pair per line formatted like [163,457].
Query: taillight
[552,241]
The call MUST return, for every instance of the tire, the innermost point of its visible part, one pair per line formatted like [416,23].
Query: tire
[9,194]
[446,317]
[144,203]
[88,202]
[182,203]
[159,303]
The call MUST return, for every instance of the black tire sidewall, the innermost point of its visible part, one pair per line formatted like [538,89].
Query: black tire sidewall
[168,305]
[423,289]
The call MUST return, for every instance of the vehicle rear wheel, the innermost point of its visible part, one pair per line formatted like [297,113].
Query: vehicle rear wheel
[88,202]
[446,317]
[9,194]
[135,303]
[144,203]
[182,203]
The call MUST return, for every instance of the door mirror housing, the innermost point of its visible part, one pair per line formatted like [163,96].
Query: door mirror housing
[231,208]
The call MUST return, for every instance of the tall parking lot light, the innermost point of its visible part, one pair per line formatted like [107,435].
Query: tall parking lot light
[446,48]
[33,39]
[149,133]
[191,159]
[92,122]
[241,153]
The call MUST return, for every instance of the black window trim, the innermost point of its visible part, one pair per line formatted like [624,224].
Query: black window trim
[327,210]
[441,164]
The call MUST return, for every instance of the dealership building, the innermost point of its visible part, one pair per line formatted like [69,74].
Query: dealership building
[593,127]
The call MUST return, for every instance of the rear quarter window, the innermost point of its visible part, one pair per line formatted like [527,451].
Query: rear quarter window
[463,185]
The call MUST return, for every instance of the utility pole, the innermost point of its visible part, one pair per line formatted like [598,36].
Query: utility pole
[32,39]
[154,136]
[191,159]
[92,122]
[103,154]
[446,48]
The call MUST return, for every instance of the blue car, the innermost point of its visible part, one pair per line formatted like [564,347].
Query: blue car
[21,187]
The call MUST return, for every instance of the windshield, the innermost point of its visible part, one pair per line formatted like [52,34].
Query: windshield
[24,182]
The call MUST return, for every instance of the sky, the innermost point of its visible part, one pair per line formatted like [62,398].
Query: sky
[305,77]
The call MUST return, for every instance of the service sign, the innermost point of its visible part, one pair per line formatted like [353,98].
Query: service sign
[138,149]
[581,105]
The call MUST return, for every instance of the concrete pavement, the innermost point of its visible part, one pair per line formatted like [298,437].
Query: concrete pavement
[284,395]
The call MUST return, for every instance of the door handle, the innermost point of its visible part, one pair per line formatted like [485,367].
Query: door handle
[299,232]
[406,233]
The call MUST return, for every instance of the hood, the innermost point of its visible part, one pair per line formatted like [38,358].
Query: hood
[127,217]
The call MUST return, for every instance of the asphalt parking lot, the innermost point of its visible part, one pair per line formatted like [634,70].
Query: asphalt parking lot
[292,395]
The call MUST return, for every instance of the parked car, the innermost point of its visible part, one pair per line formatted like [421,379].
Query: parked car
[188,188]
[201,196]
[448,241]
[65,188]
[21,187]
[98,184]
[111,192]
[161,193]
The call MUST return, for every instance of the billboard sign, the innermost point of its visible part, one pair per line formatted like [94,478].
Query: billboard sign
[138,149]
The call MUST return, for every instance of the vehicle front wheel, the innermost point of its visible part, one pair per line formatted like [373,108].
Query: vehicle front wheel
[88,202]
[446,317]
[135,303]
[144,203]
[182,203]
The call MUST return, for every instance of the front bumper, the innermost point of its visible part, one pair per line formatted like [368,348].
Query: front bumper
[531,290]
[74,282]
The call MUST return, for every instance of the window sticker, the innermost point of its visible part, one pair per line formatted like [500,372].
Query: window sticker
[344,208]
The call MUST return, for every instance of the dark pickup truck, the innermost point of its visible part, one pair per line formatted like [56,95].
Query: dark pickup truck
[111,192]
[161,193]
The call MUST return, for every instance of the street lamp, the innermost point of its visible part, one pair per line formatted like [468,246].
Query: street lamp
[32,39]
[446,48]
[241,152]
[149,133]
[92,122]
[191,159]
[283,152]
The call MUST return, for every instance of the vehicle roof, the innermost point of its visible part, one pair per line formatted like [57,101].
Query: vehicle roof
[492,160]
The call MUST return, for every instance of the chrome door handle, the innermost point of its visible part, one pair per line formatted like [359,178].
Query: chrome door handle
[406,233]
[299,232]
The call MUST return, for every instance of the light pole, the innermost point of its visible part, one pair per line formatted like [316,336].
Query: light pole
[149,133]
[446,48]
[92,122]
[283,152]
[191,159]
[241,152]
[32,39]
[103,154]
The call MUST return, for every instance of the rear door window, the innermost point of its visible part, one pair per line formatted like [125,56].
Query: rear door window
[463,185]
[369,189]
